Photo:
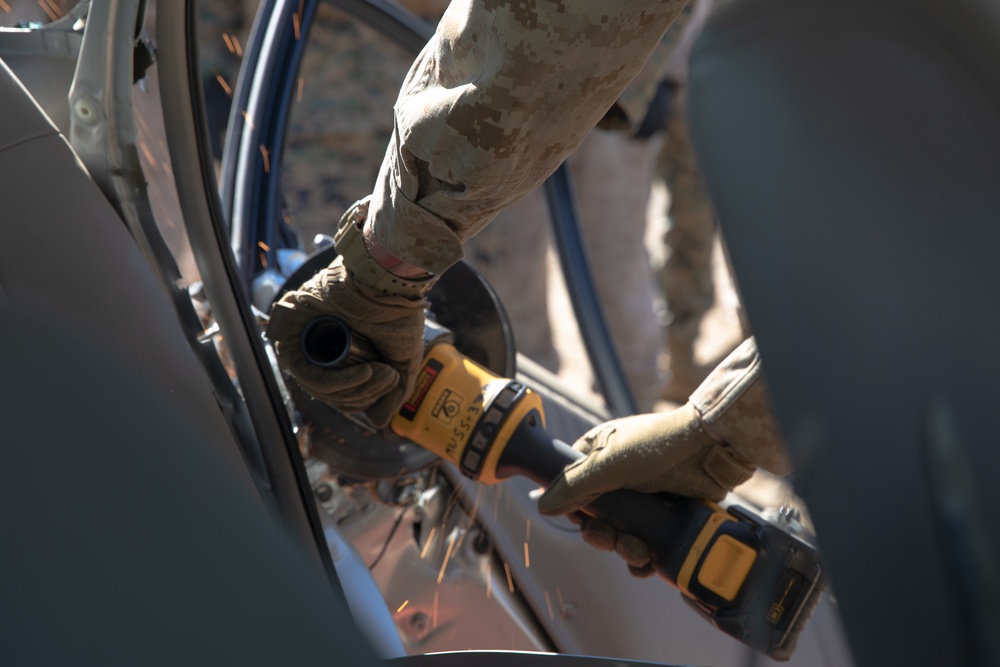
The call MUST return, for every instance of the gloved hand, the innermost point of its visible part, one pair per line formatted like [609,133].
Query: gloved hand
[392,323]
[660,452]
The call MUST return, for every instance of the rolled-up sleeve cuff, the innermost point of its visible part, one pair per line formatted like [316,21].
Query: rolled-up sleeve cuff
[411,232]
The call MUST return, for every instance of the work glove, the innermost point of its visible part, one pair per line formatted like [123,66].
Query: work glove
[393,324]
[660,452]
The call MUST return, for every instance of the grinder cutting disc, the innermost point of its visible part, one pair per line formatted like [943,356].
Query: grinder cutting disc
[461,301]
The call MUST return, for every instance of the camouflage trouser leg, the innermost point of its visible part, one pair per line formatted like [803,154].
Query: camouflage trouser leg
[511,254]
[612,178]
[686,276]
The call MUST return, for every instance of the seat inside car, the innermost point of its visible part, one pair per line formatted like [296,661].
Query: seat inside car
[132,532]
[852,151]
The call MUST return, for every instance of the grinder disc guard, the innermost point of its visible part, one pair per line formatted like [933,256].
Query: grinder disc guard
[461,301]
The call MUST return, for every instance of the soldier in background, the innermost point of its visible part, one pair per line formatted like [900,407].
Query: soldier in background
[686,273]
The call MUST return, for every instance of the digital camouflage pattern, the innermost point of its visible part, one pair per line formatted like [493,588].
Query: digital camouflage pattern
[341,119]
[494,103]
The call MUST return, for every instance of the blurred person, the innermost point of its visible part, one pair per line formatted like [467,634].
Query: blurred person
[686,275]
[341,118]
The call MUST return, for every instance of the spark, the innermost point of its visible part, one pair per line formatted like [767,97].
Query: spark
[489,579]
[246,118]
[236,45]
[496,502]
[427,544]
[4,6]
[447,557]
[403,606]
[229,43]
[472,514]
[527,558]
[264,246]
[434,613]
[560,598]
[225,86]
[475,504]
[147,153]
[267,159]
[295,25]
[548,604]
[298,95]
[527,531]
[263,260]
[510,581]
[48,10]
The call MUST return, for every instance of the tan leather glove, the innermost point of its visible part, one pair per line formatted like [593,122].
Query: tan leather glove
[393,324]
[375,304]
[661,452]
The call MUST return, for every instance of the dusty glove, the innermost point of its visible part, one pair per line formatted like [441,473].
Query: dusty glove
[393,324]
[661,452]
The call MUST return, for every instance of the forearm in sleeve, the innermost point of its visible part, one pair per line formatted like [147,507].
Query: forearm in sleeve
[734,405]
[493,104]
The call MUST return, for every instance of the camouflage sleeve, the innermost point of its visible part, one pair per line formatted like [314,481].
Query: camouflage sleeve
[635,99]
[735,407]
[493,104]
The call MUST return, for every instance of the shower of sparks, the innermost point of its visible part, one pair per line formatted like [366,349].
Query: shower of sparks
[510,581]
[48,10]
[225,86]
[298,94]
[548,604]
[527,558]
[489,579]
[427,544]
[447,557]
[229,43]
[246,119]
[434,612]
[264,246]
[403,606]
[267,159]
